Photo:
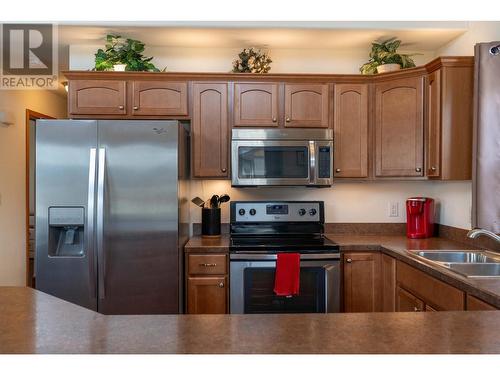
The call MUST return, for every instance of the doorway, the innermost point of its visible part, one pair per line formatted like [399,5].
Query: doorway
[31,117]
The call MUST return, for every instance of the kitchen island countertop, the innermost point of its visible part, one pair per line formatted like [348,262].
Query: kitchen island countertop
[34,322]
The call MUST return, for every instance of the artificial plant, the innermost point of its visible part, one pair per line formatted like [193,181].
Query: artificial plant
[386,53]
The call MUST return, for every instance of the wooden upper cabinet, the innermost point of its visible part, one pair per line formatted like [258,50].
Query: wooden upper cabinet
[210,133]
[157,98]
[306,105]
[399,128]
[362,292]
[405,301]
[97,97]
[350,130]
[256,104]
[207,295]
[433,136]
[449,122]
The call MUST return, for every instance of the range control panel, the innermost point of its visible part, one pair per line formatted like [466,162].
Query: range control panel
[242,212]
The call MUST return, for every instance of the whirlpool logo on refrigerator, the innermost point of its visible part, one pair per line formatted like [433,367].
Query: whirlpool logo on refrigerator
[29,57]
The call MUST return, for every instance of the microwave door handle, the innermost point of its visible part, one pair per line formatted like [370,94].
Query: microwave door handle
[312,162]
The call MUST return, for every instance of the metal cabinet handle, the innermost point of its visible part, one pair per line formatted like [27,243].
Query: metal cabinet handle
[223,170]
[337,170]
[416,309]
[287,119]
[208,264]
[136,108]
[221,285]
[121,107]
[418,169]
[348,260]
[275,119]
[433,168]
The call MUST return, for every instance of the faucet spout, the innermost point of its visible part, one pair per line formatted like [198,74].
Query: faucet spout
[474,233]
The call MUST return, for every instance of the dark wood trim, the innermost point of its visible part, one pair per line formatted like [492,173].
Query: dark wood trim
[30,115]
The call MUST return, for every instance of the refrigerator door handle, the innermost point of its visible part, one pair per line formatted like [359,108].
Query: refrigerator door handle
[100,223]
[90,221]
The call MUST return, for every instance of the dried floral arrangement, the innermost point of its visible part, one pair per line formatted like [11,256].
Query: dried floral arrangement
[252,61]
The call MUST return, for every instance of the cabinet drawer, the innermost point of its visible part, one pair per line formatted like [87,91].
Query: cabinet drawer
[207,264]
[438,294]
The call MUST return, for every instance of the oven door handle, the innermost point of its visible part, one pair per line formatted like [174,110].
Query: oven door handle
[253,256]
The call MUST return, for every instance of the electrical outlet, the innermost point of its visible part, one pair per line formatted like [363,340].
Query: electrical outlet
[393,209]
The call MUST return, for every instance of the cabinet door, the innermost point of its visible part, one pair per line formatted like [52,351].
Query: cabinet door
[362,282]
[210,130]
[351,130]
[256,104]
[156,98]
[388,266]
[433,159]
[306,106]
[97,97]
[405,301]
[399,128]
[207,295]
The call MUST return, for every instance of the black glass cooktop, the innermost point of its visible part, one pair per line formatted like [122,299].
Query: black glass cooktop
[283,243]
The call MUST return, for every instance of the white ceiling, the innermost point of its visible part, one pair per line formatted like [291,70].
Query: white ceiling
[428,36]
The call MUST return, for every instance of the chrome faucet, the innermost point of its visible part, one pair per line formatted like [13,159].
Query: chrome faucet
[474,233]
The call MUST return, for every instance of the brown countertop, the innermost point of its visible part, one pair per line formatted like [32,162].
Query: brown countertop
[34,322]
[396,246]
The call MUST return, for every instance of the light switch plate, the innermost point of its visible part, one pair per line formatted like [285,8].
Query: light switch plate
[393,209]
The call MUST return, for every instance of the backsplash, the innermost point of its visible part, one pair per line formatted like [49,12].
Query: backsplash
[354,202]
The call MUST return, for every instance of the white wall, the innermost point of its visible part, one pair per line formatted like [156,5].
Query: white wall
[355,202]
[464,44]
[220,59]
[13,177]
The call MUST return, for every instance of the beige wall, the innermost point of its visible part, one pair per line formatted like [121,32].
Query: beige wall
[464,44]
[12,176]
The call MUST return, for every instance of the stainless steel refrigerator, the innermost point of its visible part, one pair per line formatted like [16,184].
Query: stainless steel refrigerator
[112,213]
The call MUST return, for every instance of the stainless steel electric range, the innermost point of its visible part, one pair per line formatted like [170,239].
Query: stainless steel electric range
[260,230]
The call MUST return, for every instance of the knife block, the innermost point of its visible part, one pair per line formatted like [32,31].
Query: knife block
[210,221]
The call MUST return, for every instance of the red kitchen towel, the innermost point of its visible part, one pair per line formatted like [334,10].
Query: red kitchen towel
[287,277]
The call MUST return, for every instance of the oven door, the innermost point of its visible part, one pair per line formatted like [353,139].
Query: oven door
[282,162]
[252,284]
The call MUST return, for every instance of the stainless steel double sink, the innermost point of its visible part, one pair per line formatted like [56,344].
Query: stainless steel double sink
[469,263]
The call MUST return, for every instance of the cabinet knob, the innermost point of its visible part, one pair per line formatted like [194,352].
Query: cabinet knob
[416,309]
[120,107]
[348,260]
[287,119]
[418,169]
[337,170]
[275,119]
[221,285]
[433,169]
[136,108]
[223,170]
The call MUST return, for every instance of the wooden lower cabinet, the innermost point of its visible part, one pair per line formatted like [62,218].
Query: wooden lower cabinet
[362,292]
[388,269]
[475,304]
[405,301]
[207,295]
[207,288]
[433,292]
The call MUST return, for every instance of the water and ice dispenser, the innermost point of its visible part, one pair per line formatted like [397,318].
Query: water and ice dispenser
[66,231]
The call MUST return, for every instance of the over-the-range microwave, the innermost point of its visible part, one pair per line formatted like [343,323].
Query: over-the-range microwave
[282,157]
